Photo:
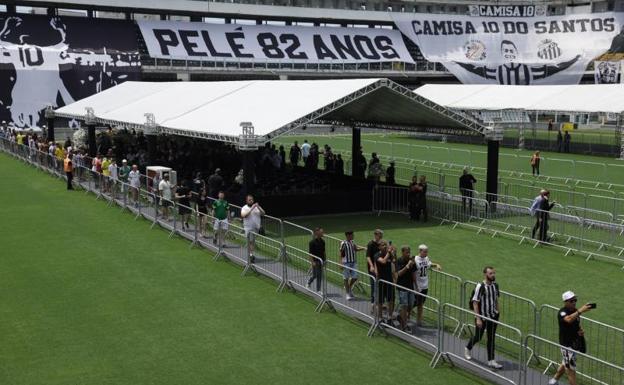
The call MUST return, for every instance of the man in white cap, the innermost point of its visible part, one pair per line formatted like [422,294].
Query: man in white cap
[571,336]
[423,265]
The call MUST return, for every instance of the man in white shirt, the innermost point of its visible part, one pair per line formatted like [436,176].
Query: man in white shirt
[423,264]
[112,171]
[305,151]
[164,188]
[252,221]
[134,177]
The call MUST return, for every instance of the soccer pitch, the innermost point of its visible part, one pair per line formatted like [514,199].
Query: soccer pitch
[539,274]
[91,296]
[404,147]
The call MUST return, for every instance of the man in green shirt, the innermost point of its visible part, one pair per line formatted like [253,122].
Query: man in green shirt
[124,170]
[220,212]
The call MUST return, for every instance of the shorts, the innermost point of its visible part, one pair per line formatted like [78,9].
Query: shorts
[165,202]
[406,298]
[182,210]
[202,210]
[385,292]
[221,224]
[250,233]
[420,300]
[569,358]
[349,270]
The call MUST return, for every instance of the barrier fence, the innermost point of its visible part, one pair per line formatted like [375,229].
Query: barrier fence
[448,324]
[589,237]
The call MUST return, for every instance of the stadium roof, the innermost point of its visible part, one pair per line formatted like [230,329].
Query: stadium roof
[215,110]
[584,98]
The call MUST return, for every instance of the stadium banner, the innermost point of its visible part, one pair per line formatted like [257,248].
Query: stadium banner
[507,10]
[269,43]
[515,50]
[58,60]
[608,72]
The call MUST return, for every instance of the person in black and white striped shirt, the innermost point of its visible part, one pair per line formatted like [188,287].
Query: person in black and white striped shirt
[348,261]
[484,302]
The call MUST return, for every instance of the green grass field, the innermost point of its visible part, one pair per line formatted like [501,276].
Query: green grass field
[540,274]
[90,296]
[403,147]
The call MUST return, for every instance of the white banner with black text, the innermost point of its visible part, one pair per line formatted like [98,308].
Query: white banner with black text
[515,50]
[269,43]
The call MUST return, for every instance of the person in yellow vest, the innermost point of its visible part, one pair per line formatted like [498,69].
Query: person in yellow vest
[106,173]
[59,156]
[68,167]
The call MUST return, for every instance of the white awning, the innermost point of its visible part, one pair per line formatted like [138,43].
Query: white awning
[214,110]
[583,98]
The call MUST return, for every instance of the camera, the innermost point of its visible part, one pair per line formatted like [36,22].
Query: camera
[592,305]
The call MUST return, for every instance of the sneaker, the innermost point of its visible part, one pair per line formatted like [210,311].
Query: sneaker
[467,354]
[494,365]
[408,330]
[553,381]
[308,285]
[252,258]
[349,297]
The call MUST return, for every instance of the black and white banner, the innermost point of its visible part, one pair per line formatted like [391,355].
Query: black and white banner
[513,50]
[607,72]
[56,61]
[267,43]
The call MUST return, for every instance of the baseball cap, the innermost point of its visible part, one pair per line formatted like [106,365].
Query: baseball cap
[378,231]
[568,295]
[124,161]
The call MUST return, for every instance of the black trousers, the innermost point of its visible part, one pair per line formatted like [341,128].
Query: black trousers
[466,196]
[536,226]
[317,274]
[70,177]
[421,209]
[488,327]
[543,230]
[535,169]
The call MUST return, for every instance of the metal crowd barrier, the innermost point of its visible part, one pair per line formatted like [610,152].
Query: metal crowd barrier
[589,369]
[510,351]
[445,314]
[604,341]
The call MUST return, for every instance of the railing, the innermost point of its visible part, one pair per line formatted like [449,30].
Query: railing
[447,323]
[592,238]
[227,64]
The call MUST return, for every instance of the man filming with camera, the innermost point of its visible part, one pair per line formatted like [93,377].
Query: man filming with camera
[571,336]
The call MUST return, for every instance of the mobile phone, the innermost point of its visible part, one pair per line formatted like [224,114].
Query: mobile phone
[592,305]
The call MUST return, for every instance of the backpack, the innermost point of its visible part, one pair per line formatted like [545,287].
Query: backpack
[472,293]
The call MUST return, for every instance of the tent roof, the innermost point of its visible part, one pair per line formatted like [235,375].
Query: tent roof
[214,110]
[560,98]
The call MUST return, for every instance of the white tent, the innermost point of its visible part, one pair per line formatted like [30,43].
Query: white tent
[585,98]
[214,110]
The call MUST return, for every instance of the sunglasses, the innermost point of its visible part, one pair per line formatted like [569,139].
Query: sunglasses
[572,300]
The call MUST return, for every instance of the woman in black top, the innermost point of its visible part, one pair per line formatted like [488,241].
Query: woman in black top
[183,195]
[202,208]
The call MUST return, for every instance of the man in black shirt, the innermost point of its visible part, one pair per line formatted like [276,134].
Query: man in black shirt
[371,250]
[570,332]
[215,183]
[316,248]
[390,172]
[295,154]
[466,187]
[545,207]
[406,276]
[384,265]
